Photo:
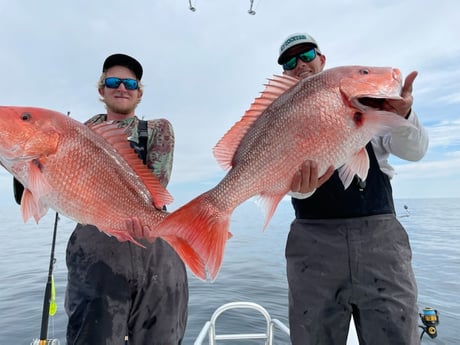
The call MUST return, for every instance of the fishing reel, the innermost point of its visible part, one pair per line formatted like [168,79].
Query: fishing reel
[430,320]
[45,342]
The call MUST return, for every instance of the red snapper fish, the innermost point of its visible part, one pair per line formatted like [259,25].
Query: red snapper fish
[328,118]
[89,175]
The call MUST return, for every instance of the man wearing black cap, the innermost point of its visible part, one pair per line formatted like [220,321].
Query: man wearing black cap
[119,291]
[346,253]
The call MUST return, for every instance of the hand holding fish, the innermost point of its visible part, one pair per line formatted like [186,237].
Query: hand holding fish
[306,180]
[402,106]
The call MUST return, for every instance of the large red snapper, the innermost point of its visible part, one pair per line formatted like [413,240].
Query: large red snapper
[90,175]
[327,118]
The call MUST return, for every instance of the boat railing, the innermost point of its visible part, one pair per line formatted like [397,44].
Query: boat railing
[209,328]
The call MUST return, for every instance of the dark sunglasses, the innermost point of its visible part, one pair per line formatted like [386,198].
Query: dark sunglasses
[305,57]
[114,83]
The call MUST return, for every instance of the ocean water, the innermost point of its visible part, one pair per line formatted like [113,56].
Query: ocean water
[253,270]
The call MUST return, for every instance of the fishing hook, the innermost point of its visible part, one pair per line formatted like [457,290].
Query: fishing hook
[190,7]
[251,10]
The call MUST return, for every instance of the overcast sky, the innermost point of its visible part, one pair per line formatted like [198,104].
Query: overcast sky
[203,69]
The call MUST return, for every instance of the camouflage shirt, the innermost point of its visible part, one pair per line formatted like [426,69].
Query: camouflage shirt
[160,144]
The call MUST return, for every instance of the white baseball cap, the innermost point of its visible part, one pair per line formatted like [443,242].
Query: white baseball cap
[296,39]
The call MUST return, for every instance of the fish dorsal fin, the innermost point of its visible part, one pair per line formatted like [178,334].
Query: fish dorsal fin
[226,147]
[117,137]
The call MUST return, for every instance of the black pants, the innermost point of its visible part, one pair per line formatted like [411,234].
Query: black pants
[118,289]
[359,266]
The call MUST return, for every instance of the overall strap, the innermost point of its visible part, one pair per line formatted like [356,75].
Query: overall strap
[143,135]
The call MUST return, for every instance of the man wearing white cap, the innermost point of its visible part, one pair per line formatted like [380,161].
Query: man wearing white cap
[346,252]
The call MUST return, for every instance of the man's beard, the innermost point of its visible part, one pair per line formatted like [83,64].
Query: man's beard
[126,109]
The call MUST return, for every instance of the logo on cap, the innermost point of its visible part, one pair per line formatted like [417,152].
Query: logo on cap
[292,39]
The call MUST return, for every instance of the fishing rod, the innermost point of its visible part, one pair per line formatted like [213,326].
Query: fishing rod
[49,304]
[47,299]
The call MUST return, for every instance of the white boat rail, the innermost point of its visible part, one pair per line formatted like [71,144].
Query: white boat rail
[209,328]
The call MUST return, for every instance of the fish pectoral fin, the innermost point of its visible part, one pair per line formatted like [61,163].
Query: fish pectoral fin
[38,185]
[382,122]
[358,165]
[31,204]
[31,207]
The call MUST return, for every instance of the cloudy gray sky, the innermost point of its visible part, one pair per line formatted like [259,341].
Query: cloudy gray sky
[203,69]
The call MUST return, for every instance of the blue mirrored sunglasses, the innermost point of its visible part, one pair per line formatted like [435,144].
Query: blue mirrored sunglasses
[307,56]
[114,83]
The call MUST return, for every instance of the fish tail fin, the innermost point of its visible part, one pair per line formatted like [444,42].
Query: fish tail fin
[198,232]
[189,256]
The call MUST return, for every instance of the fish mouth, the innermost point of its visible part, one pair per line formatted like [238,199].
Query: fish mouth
[369,102]
[375,103]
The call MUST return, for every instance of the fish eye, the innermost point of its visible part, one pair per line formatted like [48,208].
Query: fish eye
[26,116]
[364,71]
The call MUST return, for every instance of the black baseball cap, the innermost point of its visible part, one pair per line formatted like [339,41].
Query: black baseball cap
[123,60]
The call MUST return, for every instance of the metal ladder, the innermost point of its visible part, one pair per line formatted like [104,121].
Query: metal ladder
[209,328]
